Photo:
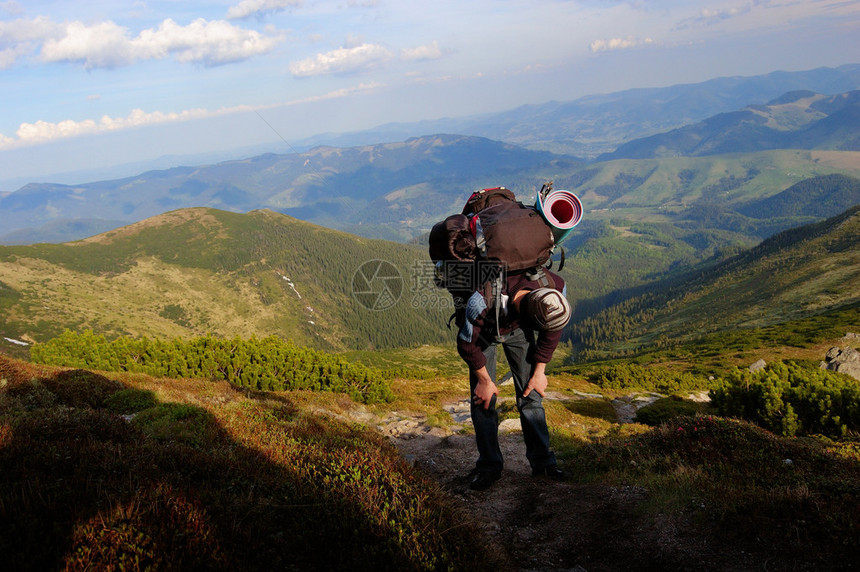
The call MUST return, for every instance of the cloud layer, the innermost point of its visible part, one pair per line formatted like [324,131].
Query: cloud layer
[202,56]
[109,45]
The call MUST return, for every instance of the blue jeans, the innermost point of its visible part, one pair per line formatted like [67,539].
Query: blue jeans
[516,346]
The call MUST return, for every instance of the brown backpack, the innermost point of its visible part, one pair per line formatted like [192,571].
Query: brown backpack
[494,229]
[487,198]
[495,234]
[512,235]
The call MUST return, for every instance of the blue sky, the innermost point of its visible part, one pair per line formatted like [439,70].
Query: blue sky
[86,85]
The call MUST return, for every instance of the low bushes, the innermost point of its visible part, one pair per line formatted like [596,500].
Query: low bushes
[633,376]
[792,399]
[269,364]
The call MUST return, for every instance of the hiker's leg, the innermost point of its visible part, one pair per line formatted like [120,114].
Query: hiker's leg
[486,421]
[532,415]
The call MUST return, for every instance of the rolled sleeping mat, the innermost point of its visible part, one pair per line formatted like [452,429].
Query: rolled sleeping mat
[562,210]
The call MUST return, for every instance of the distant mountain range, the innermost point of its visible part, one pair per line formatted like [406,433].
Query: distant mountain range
[398,190]
[796,120]
[597,124]
[331,186]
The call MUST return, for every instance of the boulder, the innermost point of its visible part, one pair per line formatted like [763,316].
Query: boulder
[760,364]
[626,406]
[843,360]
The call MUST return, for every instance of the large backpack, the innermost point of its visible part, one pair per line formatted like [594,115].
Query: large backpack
[494,234]
[496,228]
[513,236]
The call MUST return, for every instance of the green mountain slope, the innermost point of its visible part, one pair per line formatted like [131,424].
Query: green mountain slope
[822,196]
[657,189]
[798,273]
[196,271]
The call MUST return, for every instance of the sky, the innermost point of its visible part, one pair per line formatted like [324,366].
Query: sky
[101,83]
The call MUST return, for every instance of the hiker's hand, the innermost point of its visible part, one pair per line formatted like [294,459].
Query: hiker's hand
[538,381]
[485,389]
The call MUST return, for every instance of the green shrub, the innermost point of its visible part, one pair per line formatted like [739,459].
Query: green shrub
[790,399]
[633,376]
[177,422]
[127,401]
[664,409]
[268,364]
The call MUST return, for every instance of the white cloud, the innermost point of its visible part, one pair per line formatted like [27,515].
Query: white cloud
[101,45]
[619,44]
[45,132]
[108,45]
[213,43]
[20,37]
[11,7]
[248,8]
[429,51]
[342,60]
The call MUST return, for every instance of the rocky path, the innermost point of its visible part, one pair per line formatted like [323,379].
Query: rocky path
[539,525]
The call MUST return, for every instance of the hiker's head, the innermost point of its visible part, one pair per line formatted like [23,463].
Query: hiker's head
[544,309]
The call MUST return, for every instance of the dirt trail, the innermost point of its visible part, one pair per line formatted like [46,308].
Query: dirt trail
[541,525]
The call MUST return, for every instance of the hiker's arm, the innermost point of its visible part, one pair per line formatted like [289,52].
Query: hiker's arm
[545,345]
[485,388]
[538,381]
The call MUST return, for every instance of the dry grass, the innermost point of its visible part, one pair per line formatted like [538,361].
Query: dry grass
[132,301]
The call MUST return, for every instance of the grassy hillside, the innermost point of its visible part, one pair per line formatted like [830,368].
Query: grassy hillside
[198,271]
[657,188]
[647,219]
[798,273]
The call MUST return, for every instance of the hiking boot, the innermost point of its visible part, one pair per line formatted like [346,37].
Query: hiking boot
[550,471]
[484,480]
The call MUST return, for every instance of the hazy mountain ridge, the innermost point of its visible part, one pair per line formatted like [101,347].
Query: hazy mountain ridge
[597,124]
[797,120]
[343,186]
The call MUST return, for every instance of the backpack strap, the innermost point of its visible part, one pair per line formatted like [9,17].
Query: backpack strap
[539,276]
[497,300]
[451,319]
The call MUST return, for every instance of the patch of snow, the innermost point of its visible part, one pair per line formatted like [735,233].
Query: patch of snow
[16,342]
[291,284]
